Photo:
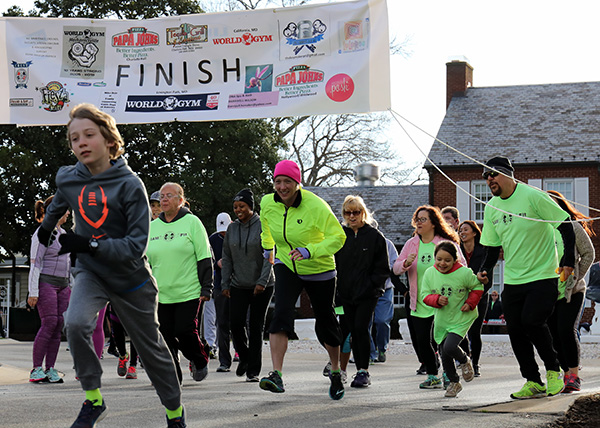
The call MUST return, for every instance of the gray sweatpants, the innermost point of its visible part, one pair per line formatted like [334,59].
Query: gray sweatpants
[137,312]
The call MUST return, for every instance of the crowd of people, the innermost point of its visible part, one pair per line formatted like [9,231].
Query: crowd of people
[151,260]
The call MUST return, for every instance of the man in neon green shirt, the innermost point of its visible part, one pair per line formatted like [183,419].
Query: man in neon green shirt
[521,220]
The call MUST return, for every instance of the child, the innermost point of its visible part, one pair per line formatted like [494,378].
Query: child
[455,291]
[111,236]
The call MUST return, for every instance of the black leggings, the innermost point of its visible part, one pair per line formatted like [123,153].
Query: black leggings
[424,337]
[472,343]
[358,316]
[563,325]
[118,332]
[451,351]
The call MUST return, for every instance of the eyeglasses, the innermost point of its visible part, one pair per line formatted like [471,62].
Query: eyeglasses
[422,220]
[167,196]
[354,213]
[492,174]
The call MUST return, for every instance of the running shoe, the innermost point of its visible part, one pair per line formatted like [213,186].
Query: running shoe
[476,370]
[446,380]
[122,367]
[131,373]
[223,369]
[90,414]
[252,378]
[177,422]
[38,375]
[344,376]
[382,357]
[236,357]
[432,382]
[362,379]
[422,370]
[241,369]
[327,369]
[554,382]
[336,390]
[453,389]
[272,383]
[572,383]
[198,374]
[531,389]
[467,370]
[53,376]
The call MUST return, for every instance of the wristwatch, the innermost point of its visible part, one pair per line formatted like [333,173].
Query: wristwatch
[93,245]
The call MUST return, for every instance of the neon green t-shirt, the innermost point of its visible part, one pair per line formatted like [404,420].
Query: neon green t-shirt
[456,286]
[173,252]
[424,261]
[529,248]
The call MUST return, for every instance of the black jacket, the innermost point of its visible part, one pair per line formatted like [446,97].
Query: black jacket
[362,265]
[493,313]
[476,261]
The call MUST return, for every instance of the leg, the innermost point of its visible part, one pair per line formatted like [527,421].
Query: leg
[451,350]
[475,331]
[568,320]
[186,332]
[223,329]
[48,311]
[209,323]
[258,313]
[98,336]
[358,316]
[240,301]
[63,297]
[423,330]
[384,312]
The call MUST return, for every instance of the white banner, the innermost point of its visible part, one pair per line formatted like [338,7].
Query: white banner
[323,59]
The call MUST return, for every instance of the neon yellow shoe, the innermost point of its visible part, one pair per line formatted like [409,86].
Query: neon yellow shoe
[554,382]
[531,389]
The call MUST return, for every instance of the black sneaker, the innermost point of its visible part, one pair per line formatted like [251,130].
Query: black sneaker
[241,369]
[90,414]
[422,370]
[362,379]
[272,383]
[336,390]
[198,374]
[177,422]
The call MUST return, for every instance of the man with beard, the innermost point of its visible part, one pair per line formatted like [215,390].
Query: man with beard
[520,219]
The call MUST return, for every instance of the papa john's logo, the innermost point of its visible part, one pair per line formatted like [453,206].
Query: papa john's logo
[92,203]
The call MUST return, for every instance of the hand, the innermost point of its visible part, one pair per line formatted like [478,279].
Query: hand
[32,301]
[259,289]
[465,307]
[44,236]
[565,272]
[443,300]
[226,293]
[73,243]
[220,263]
[482,277]
[409,260]
[296,255]
[204,298]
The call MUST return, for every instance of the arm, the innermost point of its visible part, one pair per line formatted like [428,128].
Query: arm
[586,251]
[205,275]
[568,236]
[226,264]
[433,300]
[37,254]
[204,257]
[406,258]
[489,261]
[381,267]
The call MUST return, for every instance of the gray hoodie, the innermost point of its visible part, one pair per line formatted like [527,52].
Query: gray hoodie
[243,263]
[112,207]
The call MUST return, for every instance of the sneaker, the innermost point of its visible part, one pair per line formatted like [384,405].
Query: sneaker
[38,375]
[432,382]
[53,376]
[572,383]
[122,367]
[382,357]
[554,382]
[223,369]
[336,390]
[453,389]
[198,374]
[422,370]
[177,422]
[531,389]
[131,373]
[241,369]
[476,371]
[90,414]
[467,370]
[445,380]
[252,378]
[236,357]
[362,379]
[212,354]
[272,383]
[327,369]
[344,376]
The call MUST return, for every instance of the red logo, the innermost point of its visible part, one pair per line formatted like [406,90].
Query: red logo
[92,202]
[340,87]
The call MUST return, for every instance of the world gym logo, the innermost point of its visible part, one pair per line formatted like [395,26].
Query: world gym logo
[156,103]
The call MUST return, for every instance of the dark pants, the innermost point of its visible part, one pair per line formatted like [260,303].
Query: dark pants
[424,337]
[451,351]
[179,327]
[119,333]
[358,316]
[472,343]
[223,329]
[563,325]
[249,346]
[411,325]
[288,287]
[527,308]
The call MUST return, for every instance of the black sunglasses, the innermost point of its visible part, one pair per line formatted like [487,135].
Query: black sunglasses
[355,213]
[490,174]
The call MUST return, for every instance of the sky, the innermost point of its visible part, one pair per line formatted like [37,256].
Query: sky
[507,43]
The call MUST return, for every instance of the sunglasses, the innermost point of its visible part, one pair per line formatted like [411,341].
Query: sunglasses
[492,174]
[354,213]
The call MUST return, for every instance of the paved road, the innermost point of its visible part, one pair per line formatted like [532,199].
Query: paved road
[224,400]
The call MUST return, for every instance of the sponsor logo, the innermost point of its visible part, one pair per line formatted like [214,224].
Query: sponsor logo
[99,84]
[84,84]
[54,96]
[304,34]
[355,36]
[259,77]
[87,33]
[21,73]
[157,103]
[21,102]
[135,37]
[187,33]
[340,87]
[245,39]
[299,75]
[84,46]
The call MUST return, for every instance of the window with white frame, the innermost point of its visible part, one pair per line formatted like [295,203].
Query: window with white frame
[562,185]
[481,191]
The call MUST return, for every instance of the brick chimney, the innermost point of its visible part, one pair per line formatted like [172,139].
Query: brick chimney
[459,77]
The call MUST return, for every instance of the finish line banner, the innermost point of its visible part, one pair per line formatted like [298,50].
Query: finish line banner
[322,59]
